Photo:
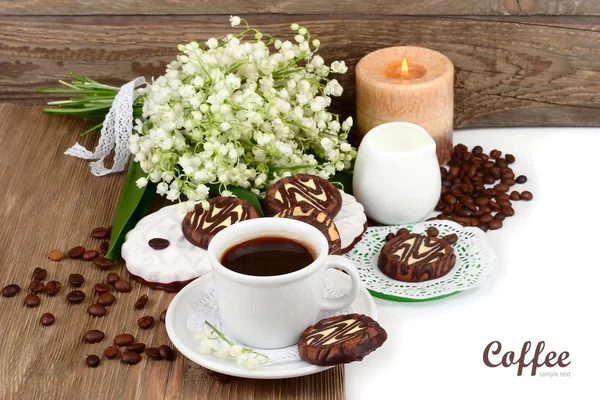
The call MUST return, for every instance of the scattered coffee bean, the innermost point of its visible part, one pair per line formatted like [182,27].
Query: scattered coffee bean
[218,376]
[11,290]
[508,211]
[521,179]
[510,158]
[130,357]
[495,224]
[486,218]
[100,233]
[92,361]
[111,352]
[32,300]
[483,227]
[76,280]
[158,243]
[122,286]
[163,315]
[36,286]
[153,353]
[106,299]
[477,150]
[124,339]
[104,247]
[389,236]
[136,347]
[76,297]
[166,352]
[495,154]
[103,263]
[47,319]
[432,231]
[449,199]
[93,336]
[500,216]
[39,274]
[501,187]
[141,302]
[515,196]
[52,288]
[76,252]
[56,255]
[451,238]
[100,288]
[89,255]
[526,195]
[97,310]
[112,277]
[145,322]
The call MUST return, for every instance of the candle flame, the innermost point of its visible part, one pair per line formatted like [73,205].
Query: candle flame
[404,70]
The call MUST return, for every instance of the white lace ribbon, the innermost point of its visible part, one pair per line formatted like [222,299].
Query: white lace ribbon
[115,133]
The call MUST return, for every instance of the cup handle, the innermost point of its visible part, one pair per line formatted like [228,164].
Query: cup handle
[347,299]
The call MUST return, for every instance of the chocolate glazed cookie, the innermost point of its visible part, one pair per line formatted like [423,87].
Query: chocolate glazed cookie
[416,258]
[340,339]
[199,225]
[318,219]
[303,190]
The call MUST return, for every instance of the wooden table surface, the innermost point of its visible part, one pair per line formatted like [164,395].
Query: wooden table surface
[49,200]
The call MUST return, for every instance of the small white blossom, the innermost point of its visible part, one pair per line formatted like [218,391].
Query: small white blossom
[235,21]
[142,182]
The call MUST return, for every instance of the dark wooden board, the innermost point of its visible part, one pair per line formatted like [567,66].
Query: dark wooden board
[50,200]
[382,7]
[518,72]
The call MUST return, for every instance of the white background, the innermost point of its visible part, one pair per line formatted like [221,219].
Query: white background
[546,286]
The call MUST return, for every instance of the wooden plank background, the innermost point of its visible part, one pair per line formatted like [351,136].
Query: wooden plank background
[49,200]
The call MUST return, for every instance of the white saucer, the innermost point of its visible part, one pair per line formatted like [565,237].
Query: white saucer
[182,336]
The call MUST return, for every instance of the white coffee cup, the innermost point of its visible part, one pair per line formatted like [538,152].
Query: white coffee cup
[271,312]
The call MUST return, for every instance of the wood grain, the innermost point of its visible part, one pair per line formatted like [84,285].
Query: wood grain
[336,7]
[526,71]
[49,200]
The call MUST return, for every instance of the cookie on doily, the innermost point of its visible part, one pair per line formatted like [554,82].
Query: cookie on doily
[169,267]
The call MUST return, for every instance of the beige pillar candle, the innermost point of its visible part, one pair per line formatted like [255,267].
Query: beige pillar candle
[409,84]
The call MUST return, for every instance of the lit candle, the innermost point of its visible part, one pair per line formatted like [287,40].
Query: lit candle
[409,84]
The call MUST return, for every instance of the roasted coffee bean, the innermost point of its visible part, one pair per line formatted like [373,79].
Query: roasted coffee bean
[460,210]
[122,286]
[166,352]
[100,288]
[508,181]
[502,196]
[507,175]
[521,179]
[461,147]
[153,353]
[76,252]
[97,310]
[47,319]
[432,231]
[56,255]
[32,300]
[449,199]
[141,302]
[36,286]
[493,205]
[500,216]
[495,172]
[486,218]
[52,288]
[526,195]
[104,247]
[508,211]
[488,164]
[76,297]
[481,201]
[111,352]
[89,255]
[11,290]
[504,202]
[388,237]
[477,150]
[510,158]
[451,238]
[439,206]
[163,315]
[103,263]
[501,163]
[495,154]
[467,188]
[158,243]
[489,179]
[100,233]
[92,361]
[93,336]
[39,274]
[448,210]
[514,195]
[483,227]
[106,299]
[453,171]
[136,347]
[130,357]
[76,280]
[145,322]
[112,277]
[446,183]
[124,339]
[501,187]
[495,224]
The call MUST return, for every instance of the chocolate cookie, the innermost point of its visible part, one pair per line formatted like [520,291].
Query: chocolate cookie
[318,219]
[299,190]
[340,339]
[199,226]
[416,258]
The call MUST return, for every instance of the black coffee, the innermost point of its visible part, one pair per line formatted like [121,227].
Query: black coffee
[267,256]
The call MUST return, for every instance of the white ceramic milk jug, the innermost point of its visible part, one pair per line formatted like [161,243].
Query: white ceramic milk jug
[396,175]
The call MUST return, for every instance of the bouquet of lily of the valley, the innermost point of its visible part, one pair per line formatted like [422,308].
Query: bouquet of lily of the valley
[230,116]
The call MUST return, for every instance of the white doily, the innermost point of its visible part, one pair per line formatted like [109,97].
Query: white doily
[206,309]
[474,261]
[115,133]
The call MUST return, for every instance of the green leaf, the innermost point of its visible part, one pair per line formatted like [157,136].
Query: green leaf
[343,181]
[248,196]
[132,206]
